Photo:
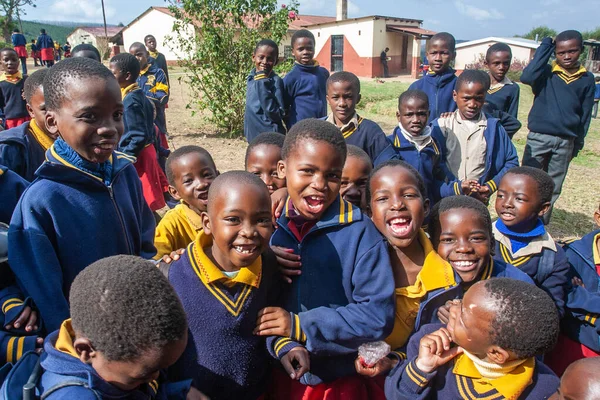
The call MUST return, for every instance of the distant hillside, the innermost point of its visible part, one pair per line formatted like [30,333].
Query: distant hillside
[57,30]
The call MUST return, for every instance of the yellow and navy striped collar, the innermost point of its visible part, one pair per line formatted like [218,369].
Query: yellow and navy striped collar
[494,87]
[349,128]
[534,247]
[261,75]
[347,213]
[436,272]
[66,335]
[315,63]
[11,78]
[209,273]
[595,249]
[567,76]
[510,386]
[40,136]
[192,217]
[125,91]
[68,164]
[153,54]
[145,69]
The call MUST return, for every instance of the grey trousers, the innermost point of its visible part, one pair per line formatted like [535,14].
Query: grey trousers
[552,154]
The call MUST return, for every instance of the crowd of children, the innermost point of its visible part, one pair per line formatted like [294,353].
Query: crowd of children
[125,277]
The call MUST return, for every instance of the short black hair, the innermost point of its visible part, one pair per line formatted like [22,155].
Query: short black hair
[78,68]
[473,76]
[302,33]
[460,202]
[266,138]
[42,30]
[357,152]
[16,30]
[138,45]
[394,164]
[148,37]
[569,35]
[445,37]
[268,43]
[314,129]
[33,82]
[498,48]
[413,94]
[8,49]
[125,306]
[183,151]
[345,76]
[231,178]
[545,185]
[126,62]
[86,47]
[526,320]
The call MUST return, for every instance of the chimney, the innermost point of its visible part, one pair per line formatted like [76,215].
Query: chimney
[342,10]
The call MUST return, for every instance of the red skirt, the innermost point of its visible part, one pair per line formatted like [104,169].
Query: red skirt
[14,122]
[565,353]
[354,387]
[21,51]
[152,177]
[47,54]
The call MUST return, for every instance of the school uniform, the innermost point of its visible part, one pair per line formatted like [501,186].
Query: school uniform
[19,42]
[305,92]
[12,187]
[265,107]
[367,135]
[481,151]
[176,230]
[75,213]
[345,295]
[536,254]
[153,82]
[427,160]
[66,377]
[504,96]
[560,116]
[45,45]
[138,141]
[223,357]
[12,103]
[161,62]
[459,378]
[510,124]
[23,149]
[439,90]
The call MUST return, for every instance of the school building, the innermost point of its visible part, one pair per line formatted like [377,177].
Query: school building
[472,51]
[345,44]
[96,36]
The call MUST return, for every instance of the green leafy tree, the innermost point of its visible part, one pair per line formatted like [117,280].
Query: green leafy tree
[539,32]
[216,39]
[11,10]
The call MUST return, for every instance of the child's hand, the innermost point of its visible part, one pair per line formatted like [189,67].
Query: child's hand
[195,394]
[278,199]
[469,186]
[435,350]
[174,256]
[444,311]
[577,282]
[289,263]
[273,321]
[447,114]
[382,366]
[296,362]
[28,317]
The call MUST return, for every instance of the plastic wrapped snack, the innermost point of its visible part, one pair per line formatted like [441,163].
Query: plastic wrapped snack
[370,353]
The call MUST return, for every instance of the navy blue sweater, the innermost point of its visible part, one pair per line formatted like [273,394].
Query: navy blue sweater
[305,92]
[66,220]
[439,90]
[44,41]
[505,98]
[345,295]
[18,39]
[12,187]
[21,152]
[406,381]
[138,121]
[559,108]
[223,357]
[12,102]
[265,107]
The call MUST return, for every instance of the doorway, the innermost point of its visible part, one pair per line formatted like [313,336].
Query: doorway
[337,53]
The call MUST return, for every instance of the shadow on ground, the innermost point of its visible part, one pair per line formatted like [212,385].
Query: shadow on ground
[566,224]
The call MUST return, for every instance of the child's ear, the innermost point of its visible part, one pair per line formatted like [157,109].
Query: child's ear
[281,169]
[84,350]
[30,111]
[128,77]
[597,217]
[358,99]
[544,209]
[454,95]
[174,193]
[398,115]
[498,355]
[51,122]
[205,222]
[426,208]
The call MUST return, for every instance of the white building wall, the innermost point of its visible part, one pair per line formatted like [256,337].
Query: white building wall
[470,54]
[80,36]
[358,33]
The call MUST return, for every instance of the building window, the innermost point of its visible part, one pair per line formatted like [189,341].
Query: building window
[287,52]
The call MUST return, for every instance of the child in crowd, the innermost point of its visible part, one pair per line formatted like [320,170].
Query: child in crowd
[439,81]
[487,350]
[262,156]
[503,93]
[580,381]
[225,277]
[105,351]
[12,186]
[414,144]
[190,172]
[344,296]
[153,82]
[343,94]
[35,54]
[84,190]
[596,97]
[12,103]
[265,106]
[159,58]
[23,149]
[19,42]
[138,137]
[306,84]
[45,45]
[86,50]
[477,150]
[562,107]
[523,198]
[355,175]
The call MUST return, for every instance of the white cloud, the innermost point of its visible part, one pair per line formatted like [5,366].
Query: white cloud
[79,10]
[478,14]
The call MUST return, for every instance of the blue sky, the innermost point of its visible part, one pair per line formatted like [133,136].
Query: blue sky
[466,19]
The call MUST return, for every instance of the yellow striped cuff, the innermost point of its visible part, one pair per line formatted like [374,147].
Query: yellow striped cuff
[417,378]
[492,185]
[11,303]
[297,334]
[400,355]
[457,190]
[280,344]
[14,348]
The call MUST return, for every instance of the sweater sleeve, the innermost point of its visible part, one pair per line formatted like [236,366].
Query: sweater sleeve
[534,72]
[503,163]
[584,306]
[510,124]
[160,90]
[11,157]
[378,143]
[513,108]
[588,103]
[369,318]
[164,237]
[148,225]
[557,284]
[134,139]
[265,90]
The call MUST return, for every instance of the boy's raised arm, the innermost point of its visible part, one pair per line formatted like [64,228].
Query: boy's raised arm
[265,89]
[536,69]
